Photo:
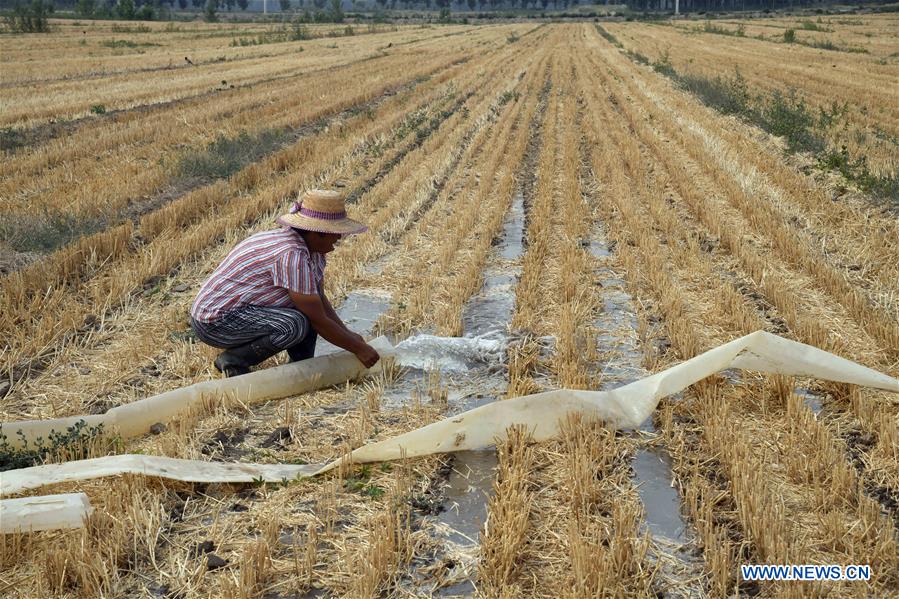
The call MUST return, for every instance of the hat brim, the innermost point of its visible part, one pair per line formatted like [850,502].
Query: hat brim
[343,226]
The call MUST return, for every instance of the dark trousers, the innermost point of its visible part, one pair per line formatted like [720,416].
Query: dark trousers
[286,328]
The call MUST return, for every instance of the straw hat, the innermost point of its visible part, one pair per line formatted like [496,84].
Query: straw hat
[322,211]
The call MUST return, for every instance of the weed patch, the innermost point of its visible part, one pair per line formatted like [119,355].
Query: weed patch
[75,443]
[829,45]
[709,27]
[113,43]
[812,26]
[11,139]
[116,28]
[789,37]
[608,36]
[789,117]
[857,172]
[663,66]
[507,97]
[730,96]
[45,230]
[637,57]
[786,115]
[360,482]
[226,155]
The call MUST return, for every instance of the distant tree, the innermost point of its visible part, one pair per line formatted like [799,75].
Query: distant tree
[472,4]
[182,4]
[146,13]
[125,9]
[86,8]
[482,4]
[336,11]
[544,3]
[30,18]
[243,4]
[285,5]
[210,11]
[198,3]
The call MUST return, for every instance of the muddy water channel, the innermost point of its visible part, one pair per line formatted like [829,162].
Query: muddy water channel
[486,317]
[359,311]
[621,357]
[473,372]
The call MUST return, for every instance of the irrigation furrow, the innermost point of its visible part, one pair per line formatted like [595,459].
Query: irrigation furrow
[753,511]
[778,285]
[644,221]
[363,206]
[470,261]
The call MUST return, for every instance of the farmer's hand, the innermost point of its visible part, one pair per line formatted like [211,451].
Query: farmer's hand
[367,355]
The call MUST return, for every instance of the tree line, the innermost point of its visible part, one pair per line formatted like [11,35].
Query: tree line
[687,6]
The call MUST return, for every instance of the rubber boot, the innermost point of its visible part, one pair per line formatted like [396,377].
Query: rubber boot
[237,361]
[305,349]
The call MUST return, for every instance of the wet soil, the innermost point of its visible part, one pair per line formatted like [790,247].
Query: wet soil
[359,311]
[468,486]
[674,547]
[528,174]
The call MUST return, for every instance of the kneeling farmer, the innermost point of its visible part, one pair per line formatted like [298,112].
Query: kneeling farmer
[268,294]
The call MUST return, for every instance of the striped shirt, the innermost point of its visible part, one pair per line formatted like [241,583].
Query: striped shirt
[260,271]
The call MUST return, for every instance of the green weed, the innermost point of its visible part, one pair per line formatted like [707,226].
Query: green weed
[44,230]
[73,444]
[226,155]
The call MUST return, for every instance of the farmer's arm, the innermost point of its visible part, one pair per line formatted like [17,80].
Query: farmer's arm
[331,328]
[332,314]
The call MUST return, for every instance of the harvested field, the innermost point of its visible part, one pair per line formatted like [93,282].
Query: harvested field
[535,187]
[844,73]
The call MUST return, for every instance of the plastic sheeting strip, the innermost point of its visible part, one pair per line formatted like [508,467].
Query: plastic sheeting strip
[47,512]
[625,407]
[136,418]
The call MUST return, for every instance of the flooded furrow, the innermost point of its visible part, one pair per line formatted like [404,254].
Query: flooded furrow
[474,368]
[621,357]
[359,312]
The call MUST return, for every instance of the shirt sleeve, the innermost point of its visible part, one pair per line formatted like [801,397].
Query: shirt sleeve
[293,270]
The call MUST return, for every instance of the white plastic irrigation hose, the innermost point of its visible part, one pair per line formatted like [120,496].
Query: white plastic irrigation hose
[48,512]
[136,418]
[625,407]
